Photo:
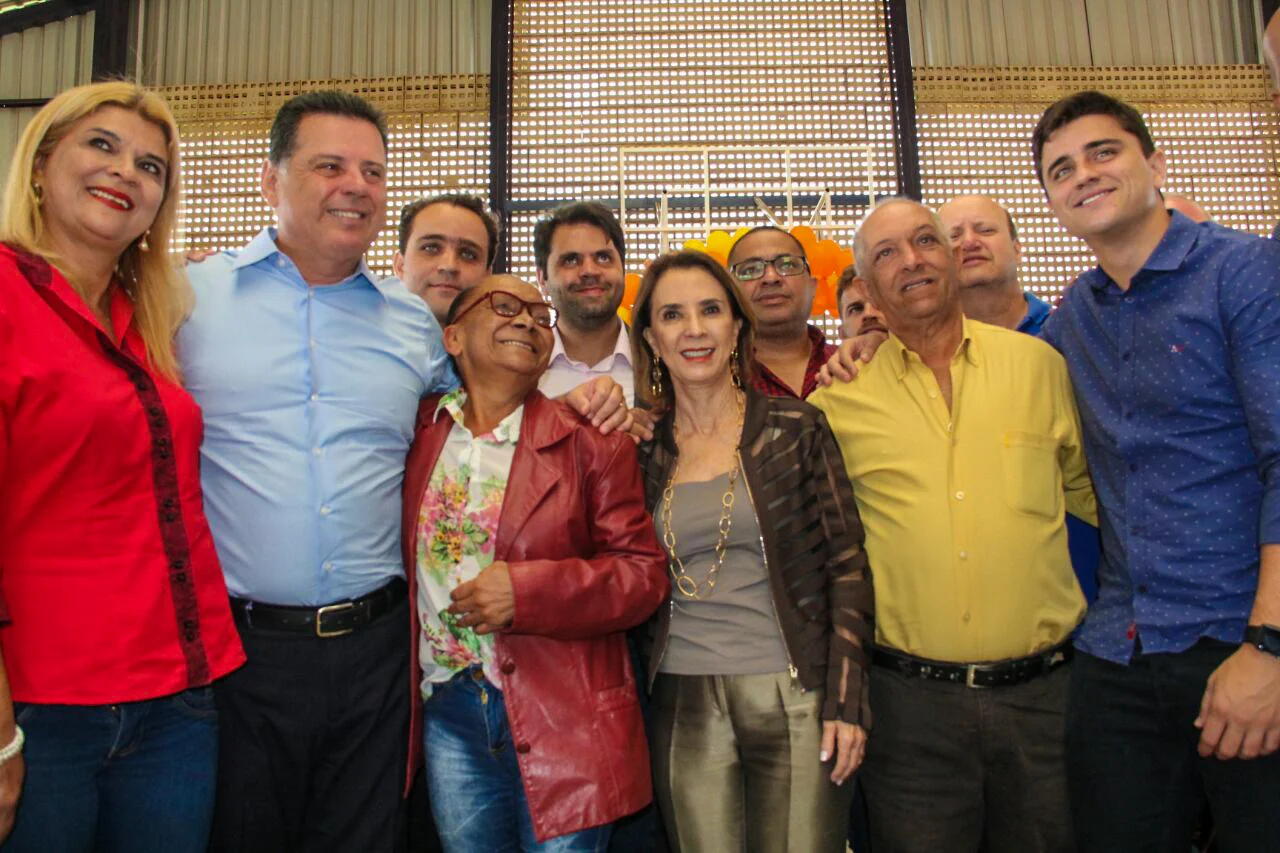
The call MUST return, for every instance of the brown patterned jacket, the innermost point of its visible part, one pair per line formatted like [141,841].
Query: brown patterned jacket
[812,540]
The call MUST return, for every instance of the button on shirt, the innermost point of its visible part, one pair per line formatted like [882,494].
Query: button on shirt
[106,560]
[564,374]
[457,531]
[963,508]
[310,395]
[1178,383]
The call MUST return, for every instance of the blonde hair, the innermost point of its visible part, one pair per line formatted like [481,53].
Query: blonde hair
[159,290]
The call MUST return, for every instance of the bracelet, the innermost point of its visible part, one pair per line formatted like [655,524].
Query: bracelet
[13,747]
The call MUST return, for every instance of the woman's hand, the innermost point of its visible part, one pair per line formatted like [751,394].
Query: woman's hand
[488,603]
[848,743]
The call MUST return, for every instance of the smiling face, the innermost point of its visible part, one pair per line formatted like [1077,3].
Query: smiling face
[692,328]
[986,253]
[104,181]
[446,253]
[584,275]
[780,302]
[1099,183]
[911,270]
[330,194]
[486,344]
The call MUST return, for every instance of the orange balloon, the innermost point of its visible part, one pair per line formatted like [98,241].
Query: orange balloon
[624,311]
[805,235]
[630,286]
[824,259]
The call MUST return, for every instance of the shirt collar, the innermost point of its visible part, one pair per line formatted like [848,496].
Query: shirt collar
[506,432]
[263,246]
[621,348]
[1170,253]
[1037,310]
[902,356]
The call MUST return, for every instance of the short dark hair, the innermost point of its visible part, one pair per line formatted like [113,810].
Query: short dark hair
[284,130]
[410,212]
[1083,104]
[642,357]
[576,213]
[456,306]
[793,238]
[847,275]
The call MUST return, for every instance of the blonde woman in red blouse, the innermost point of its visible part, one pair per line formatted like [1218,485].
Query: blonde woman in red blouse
[115,615]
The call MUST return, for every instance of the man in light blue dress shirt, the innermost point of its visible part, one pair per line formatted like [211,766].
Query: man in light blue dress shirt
[309,371]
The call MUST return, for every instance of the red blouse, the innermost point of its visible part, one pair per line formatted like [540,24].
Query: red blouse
[107,568]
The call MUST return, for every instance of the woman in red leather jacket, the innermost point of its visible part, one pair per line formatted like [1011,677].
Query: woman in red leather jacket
[529,553]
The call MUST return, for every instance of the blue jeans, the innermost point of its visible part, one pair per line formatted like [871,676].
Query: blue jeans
[477,797]
[136,777]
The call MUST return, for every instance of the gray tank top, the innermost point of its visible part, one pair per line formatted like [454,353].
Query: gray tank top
[734,630]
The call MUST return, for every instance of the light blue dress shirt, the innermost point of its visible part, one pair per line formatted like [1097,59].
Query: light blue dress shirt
[309,397]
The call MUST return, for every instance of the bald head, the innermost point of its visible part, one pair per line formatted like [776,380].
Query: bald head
[1186,207]
[985,242]
[1271,52]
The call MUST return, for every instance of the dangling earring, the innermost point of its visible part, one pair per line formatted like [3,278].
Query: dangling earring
[655,379]
[143,245]
[38,191]
[733,368]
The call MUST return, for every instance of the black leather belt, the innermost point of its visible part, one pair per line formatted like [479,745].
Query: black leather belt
[996,674]
[331,620]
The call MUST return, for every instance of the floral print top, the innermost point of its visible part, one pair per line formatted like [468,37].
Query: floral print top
[457,529]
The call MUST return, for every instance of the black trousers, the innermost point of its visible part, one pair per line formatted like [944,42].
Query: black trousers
[313,741]
[961,770]
[1137,783]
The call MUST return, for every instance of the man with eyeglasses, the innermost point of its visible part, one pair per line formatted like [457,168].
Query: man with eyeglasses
[771,266]
[529,554]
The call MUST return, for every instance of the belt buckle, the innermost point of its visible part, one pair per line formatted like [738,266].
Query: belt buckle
[971,672]
[332,608]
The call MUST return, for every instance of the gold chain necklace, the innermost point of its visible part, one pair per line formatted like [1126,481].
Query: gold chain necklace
[686,585]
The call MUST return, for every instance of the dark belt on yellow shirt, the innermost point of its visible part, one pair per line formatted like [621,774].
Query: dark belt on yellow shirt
[994,674]
[331,620]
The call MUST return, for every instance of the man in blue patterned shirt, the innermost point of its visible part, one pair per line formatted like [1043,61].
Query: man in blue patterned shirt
[1173,344]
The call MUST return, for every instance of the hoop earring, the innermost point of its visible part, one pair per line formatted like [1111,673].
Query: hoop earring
[733,368]
[655,379]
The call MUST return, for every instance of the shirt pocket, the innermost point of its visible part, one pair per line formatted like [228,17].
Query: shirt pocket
[1032,477]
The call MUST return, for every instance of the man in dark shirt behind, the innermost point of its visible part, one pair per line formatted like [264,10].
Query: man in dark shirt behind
[1173,345]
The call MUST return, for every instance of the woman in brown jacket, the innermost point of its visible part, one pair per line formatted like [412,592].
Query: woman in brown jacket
[758,662]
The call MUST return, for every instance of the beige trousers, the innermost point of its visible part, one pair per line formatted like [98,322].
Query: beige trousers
[735,763]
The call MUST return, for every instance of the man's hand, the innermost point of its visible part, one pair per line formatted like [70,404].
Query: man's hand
[1240,711]
[488,603]
[848,743]
[642,423]
[11,775]
[601,401]
[195,256]
[844,364]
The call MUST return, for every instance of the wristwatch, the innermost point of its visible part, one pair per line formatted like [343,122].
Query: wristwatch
[1265,638]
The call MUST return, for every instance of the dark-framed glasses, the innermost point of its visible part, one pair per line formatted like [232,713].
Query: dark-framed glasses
[506,304]
[785,265]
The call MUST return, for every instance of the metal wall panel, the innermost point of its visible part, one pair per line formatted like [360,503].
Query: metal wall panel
[39,63]
[195,42]
[42,61]
[1082,32]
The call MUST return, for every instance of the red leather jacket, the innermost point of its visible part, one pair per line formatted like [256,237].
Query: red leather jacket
[586,565]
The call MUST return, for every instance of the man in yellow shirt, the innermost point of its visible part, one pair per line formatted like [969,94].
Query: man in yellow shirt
[963,445]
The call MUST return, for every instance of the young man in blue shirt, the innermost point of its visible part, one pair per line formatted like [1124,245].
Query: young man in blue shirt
[1173,345]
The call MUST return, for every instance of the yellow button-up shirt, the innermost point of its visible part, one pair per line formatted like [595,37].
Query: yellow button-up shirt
[963,508]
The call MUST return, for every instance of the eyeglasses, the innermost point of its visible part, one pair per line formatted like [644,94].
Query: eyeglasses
[753,268]
[506,304]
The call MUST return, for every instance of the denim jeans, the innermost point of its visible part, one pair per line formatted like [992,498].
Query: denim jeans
[1136,782]
[131,778]
[477,797]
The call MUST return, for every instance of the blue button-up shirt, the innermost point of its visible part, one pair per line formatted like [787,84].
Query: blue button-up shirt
[1178,386]
[1037,312]
[309,397]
